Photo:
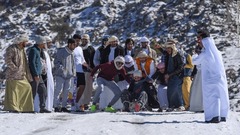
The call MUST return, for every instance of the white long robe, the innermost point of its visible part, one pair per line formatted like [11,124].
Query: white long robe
[50,83]
[214,83]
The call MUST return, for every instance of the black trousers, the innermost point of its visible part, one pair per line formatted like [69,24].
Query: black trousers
[40,88]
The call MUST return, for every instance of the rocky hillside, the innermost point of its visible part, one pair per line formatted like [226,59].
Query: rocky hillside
[157,19]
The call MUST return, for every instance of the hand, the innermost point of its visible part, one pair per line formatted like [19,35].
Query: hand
[166,77]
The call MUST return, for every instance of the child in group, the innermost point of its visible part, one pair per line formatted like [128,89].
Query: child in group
[162,85]
[135,98]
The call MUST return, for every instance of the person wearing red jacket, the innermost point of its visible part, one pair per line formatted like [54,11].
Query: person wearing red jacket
[105,78]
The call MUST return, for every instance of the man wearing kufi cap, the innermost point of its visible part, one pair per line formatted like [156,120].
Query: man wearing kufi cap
[18,93]
[48,77]
[88,53]
[38,67]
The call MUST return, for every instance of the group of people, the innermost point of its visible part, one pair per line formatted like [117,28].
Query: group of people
[164,84]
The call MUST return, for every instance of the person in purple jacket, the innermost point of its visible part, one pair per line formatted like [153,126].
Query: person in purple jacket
[105,78]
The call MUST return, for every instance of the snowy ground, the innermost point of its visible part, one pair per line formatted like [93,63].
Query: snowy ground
[120,123]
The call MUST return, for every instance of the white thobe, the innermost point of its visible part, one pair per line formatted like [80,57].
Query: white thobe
[214,82]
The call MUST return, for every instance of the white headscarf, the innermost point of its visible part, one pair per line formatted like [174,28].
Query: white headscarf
[129,60]
[21,38]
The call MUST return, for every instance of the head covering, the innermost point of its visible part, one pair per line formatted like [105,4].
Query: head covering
[142,54]
[85,36]
[119,59]
[112,38]
[40,40]
[128,61]
[144,39]
[173,46]
[172,40]
[48,39]
[21,38]
[137,73]
[161,65]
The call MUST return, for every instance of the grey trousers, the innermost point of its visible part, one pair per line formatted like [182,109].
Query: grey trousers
[112,85]
[62,86]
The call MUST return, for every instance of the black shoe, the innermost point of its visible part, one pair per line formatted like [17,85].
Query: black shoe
[86,107]
[214,120]
[65,110]
[44,111]
[169,109]
[57,109]
[223,119]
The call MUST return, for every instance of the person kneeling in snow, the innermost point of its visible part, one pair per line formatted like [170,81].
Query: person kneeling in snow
[106,79]
[135,98]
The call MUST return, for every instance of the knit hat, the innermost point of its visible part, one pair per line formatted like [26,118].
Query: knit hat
[128,61]
[21,38]
[40,40]
[142,54]
[161,65]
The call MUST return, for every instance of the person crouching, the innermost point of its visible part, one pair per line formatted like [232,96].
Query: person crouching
[105,78]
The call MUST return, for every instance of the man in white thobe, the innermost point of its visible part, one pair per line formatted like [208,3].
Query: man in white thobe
[214,83]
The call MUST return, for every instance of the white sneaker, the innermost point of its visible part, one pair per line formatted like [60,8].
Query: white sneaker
[181,108]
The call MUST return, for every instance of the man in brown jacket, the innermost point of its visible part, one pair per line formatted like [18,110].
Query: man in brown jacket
[18,96]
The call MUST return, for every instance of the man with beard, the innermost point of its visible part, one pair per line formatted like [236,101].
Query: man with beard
[88,53]
[37,65]
[174,68]
[145,46]
[18,93]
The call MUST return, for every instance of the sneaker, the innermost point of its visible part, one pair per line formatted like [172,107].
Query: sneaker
[109,109]
[181,108]
[44,111]
[86,107]
[64,109]
[93,108]
[169,109]
[137,107]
